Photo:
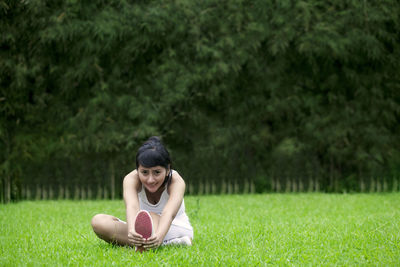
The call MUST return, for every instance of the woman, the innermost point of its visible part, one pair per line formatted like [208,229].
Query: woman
[155,209]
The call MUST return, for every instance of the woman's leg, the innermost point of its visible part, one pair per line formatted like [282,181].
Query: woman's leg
[113,230]
[110,229]
[177,232]
[178,235]
[155,218]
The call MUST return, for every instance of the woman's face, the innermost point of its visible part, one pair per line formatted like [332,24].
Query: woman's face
[152,178]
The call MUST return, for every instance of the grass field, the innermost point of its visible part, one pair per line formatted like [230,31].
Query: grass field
[245,230]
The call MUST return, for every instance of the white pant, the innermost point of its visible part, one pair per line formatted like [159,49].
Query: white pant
[176,231]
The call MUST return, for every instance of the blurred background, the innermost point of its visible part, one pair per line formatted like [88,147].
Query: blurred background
[248,96]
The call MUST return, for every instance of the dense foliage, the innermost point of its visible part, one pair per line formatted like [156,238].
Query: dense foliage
[266,91]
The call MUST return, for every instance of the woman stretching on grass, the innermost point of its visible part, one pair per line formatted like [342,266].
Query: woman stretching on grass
[155,210]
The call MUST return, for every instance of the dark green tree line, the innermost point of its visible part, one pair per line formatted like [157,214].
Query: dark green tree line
[261,91]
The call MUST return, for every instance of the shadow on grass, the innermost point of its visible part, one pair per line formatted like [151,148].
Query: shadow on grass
[108,246]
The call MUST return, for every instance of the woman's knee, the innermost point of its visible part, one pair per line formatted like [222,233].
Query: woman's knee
[100,223]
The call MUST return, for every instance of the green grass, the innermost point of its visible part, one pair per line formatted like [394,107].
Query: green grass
[276,229]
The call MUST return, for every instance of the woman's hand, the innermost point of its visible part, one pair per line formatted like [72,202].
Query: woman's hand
[135,239]
[153,242]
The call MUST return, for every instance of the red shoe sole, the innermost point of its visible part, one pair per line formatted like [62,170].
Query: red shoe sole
[144,224]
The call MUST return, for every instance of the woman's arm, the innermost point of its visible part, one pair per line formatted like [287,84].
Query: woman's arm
[176,192]
[131,186]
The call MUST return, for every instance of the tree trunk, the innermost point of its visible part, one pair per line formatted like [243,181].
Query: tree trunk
[207,187]
[395,185]
[60,194]
[191,189]
[213,188]
[246,187]
[252,187]
[278,186]
[236,187]
[372,185]
[1,190]
[223,187]
[310,184]
[8,189]
[99,192]
[301,185]
[331,181]
[200,188]
[112,179]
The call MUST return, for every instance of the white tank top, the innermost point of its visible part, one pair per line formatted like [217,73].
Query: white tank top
[181,219]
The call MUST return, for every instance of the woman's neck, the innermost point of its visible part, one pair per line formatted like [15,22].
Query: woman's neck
[154,198]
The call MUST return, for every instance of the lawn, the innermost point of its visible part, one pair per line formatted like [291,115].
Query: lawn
[245,230]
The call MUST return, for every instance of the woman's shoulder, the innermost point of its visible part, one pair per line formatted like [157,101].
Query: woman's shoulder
[175,175]
[176,179]
[177,184]
[132,175]
[132,178]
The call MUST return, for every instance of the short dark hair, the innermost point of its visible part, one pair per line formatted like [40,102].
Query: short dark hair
[153,153]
